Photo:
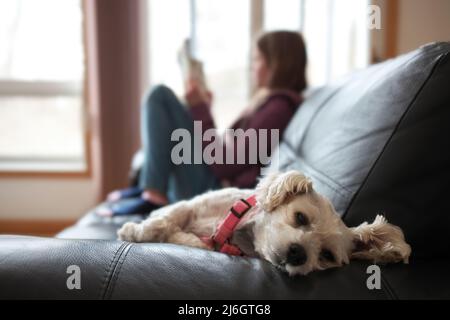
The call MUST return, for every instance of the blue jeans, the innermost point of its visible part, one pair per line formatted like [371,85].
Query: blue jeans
[162,113]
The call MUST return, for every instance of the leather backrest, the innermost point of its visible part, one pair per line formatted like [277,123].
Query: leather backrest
[377,142]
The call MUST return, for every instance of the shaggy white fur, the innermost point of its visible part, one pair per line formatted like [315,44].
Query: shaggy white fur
[292,226]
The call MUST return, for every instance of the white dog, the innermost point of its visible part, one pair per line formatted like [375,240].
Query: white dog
[291,226]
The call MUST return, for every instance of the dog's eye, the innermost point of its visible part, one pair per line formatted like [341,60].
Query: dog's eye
[326,255]
[301,219]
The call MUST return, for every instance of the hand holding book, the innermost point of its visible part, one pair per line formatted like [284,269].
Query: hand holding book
[196,90]
[196,96]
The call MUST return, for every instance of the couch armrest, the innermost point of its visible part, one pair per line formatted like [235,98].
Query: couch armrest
[32,267]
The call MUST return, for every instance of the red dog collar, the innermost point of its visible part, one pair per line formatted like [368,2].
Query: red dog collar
[221,238]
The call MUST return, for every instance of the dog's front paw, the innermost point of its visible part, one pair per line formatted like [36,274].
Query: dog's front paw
[129,232]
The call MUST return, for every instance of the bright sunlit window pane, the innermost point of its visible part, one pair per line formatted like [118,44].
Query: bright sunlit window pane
[40,133]
[41,81]
[169,26]
[317,36]
[41,40]
[223,43]
[284,15]
[337,38]
[335,33]
[350,43]
[221,39]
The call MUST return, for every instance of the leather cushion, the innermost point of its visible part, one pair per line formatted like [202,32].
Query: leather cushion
[32,267]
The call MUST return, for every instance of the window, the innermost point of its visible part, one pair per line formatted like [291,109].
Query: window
[286,15]
[335,33]
[41,86]
[223,43]
[220,36]
[168,28]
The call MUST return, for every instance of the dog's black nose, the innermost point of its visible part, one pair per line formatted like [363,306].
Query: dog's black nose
[296,255]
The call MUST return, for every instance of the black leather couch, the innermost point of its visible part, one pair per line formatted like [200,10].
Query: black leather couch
[377,141]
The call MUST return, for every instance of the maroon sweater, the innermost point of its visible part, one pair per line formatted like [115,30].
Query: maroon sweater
[274,113]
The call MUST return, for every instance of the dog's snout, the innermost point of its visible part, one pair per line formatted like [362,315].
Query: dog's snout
[296,255]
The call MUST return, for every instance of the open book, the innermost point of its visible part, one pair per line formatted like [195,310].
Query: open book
[191,68]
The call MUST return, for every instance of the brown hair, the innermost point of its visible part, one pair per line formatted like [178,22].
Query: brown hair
[285,54]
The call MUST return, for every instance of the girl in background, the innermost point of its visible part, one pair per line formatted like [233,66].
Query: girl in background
[278,71]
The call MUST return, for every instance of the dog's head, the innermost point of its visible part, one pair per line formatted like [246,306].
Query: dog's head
[299,231]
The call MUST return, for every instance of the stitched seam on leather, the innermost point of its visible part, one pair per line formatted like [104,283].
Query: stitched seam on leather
[319,175]
[332,94]
[116,271]
[388,289]
[311,119]
[394,131]
[326,179]
[320,108]
[108,272]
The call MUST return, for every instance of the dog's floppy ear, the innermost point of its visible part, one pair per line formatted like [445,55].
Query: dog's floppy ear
[276,188]
[380,241]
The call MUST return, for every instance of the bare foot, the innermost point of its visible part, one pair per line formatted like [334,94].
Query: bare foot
[104,212]
[155,197]
[113,196]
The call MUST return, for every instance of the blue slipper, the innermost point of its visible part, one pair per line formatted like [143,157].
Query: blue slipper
[132,192]
[131,206]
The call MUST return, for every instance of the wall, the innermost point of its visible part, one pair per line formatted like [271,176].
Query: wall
[420,22]
[45,198]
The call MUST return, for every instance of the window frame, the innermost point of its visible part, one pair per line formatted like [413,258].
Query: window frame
[257,21]
[14,88]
